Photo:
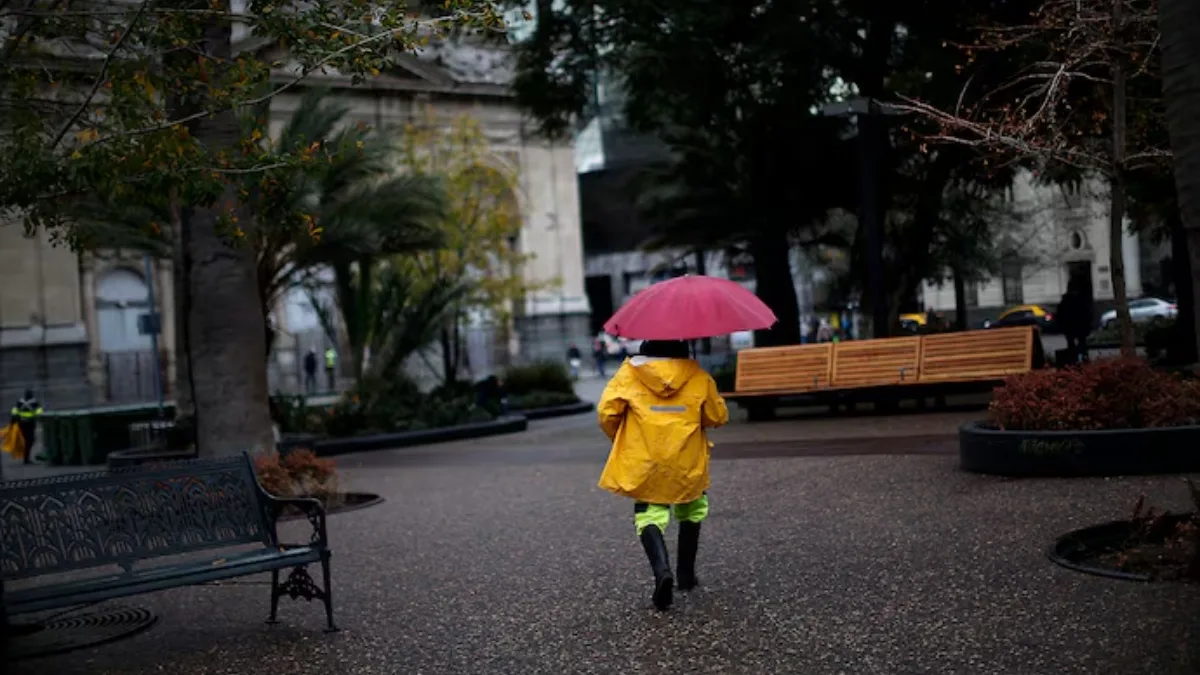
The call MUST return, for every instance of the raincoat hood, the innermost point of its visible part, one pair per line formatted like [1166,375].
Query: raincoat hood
[662,376]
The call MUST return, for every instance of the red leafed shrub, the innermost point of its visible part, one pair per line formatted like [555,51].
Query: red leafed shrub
[300,473]
[1122,393]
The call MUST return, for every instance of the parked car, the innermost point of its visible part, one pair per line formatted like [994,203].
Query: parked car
[912,323]
[1023,315]
[1143,310]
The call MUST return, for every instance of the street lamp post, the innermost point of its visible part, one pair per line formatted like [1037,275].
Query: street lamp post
[867,115]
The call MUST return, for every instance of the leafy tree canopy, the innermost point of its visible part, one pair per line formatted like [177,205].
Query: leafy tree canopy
[99,98]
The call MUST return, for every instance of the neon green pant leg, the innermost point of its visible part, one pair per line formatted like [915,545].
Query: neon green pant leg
[645,515]
[694,511]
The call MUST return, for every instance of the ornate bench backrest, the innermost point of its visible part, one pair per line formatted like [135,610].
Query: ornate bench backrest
[64,523]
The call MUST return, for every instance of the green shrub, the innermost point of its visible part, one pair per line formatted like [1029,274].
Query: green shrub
[1143,331]
[541,399]
[290,412]
[385,405]
[547,376]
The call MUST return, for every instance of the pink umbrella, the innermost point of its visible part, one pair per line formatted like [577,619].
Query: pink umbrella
[690,308]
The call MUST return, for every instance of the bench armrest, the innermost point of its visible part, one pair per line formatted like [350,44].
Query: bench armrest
[312,509]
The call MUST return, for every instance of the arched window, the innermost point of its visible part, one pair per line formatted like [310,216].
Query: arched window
[121,297]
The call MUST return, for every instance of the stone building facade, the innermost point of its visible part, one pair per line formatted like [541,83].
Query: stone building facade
[1060,231]
[69,323]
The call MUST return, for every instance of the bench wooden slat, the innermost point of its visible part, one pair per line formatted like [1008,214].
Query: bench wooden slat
[881,362]
[977,355]
[796,368]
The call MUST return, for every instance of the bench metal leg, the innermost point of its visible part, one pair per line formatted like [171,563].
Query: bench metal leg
[300,584]
[274,597]
[331,627]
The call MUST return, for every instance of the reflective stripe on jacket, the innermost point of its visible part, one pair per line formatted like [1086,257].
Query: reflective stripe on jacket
[657,412]
[27,409]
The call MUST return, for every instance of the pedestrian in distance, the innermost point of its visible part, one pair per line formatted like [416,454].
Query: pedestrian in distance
[600,353]
[310,371]
[1075,320]
[25,415]
[331,368]
[574,361]
[657,411]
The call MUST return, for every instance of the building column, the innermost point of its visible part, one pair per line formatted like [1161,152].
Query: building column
[96,372]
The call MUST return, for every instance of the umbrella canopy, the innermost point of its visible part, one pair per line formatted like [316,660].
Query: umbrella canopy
[690,308]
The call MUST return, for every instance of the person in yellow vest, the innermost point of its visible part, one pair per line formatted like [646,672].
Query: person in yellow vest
[25,415]
[331,368]
[657,409]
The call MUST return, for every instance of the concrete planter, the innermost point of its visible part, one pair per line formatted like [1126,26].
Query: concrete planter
[577,408]
[1082,550]
[328,447]
[1116,452]
[122,459]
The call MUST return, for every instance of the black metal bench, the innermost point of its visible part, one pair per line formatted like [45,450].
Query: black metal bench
[98,536]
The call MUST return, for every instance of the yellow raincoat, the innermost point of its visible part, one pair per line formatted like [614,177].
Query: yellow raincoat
[657,411]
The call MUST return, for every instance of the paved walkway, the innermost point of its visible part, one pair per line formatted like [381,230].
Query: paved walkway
[500,556]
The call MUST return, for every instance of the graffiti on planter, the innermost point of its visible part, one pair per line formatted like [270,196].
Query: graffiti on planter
[1039,447]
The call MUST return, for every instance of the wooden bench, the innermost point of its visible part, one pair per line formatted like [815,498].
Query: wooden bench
[881,370]
[99,536]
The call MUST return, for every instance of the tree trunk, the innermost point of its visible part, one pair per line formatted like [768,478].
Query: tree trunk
[1116,214]
[184,404]
[449,366]
[1183,340]
[225,326]
[1116,262]
[364,304]
[702,270]
[774,286]
[960,300]
[1179,22]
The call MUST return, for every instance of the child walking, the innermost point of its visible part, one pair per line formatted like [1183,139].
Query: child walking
[657,409]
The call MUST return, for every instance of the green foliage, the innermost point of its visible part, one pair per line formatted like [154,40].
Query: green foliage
[480,230]
[386,313]
[733,88]
[546,377]
[394,403]
[349,208]
[103,99]
[541,399]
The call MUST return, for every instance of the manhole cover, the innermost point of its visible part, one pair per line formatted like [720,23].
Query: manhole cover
[77,630]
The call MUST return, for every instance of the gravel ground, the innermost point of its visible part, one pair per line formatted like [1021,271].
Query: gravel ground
[501,556]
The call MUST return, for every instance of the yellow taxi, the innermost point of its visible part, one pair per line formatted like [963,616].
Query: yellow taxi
[1022,315]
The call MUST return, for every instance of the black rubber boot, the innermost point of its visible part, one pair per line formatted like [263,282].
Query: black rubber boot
[660,563]
[689,541]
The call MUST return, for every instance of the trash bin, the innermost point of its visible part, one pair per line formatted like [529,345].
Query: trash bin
[51,444]
[62,436]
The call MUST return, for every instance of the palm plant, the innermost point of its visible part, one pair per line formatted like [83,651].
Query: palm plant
[344,209]
[387,313]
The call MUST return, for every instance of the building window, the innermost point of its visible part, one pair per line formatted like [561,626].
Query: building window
[1011,276]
